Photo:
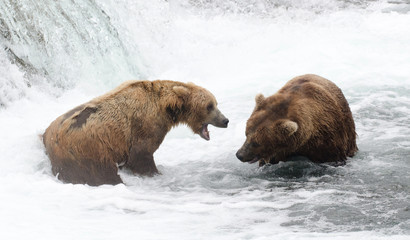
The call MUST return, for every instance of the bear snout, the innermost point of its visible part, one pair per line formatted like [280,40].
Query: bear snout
[218,119]
[225,122]
[243,154]
[220,122]
[239,155]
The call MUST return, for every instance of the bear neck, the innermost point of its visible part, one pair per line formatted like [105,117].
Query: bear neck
[176,115]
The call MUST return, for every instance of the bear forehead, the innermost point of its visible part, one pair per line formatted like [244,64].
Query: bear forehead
[277,103]
[258,121]
[261,133]
[274,109]
[204,96]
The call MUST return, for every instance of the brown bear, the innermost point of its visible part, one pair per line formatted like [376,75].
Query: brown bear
[125,127]
[309,116]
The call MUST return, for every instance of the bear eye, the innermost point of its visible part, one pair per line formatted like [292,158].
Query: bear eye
[210,107]
[255,144]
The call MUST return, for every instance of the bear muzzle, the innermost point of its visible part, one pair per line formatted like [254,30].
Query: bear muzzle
[219,120]
[244,155]
[248,160]
[222,124]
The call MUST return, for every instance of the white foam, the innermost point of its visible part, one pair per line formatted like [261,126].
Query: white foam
[204,192]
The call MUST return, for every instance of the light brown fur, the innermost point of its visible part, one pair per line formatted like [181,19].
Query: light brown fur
[125,127]
[309,116]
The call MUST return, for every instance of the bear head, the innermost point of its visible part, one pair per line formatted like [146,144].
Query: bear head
[270,133]
[199,109]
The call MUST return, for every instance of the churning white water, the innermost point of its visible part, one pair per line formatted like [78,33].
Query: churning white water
[55,55]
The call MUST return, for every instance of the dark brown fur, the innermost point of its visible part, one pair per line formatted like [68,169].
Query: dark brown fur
[83,116]
[124,127]
[309,116]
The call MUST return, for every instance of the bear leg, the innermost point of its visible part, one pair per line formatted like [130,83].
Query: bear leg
[141,162]
[87,172]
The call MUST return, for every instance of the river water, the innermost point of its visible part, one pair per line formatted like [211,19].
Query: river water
[55,55]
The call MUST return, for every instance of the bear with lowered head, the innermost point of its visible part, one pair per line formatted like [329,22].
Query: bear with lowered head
[125,127]
[309,116]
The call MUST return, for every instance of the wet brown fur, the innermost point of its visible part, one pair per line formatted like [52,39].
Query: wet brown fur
[123,127]
[325,128]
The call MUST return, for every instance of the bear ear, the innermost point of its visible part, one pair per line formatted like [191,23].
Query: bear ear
[259,99]
[289,127]
[181,91]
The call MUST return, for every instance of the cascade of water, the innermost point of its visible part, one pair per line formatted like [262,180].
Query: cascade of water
[236,49]
[65,42]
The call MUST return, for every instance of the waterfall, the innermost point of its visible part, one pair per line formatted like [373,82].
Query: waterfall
[63,43]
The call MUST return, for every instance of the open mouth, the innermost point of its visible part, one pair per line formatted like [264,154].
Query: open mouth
[254,160]
[204,133]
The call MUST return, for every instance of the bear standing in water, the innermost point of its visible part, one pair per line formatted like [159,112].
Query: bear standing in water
[309,116]
[125,127]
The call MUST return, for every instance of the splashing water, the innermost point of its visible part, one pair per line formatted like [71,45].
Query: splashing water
[58,54]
